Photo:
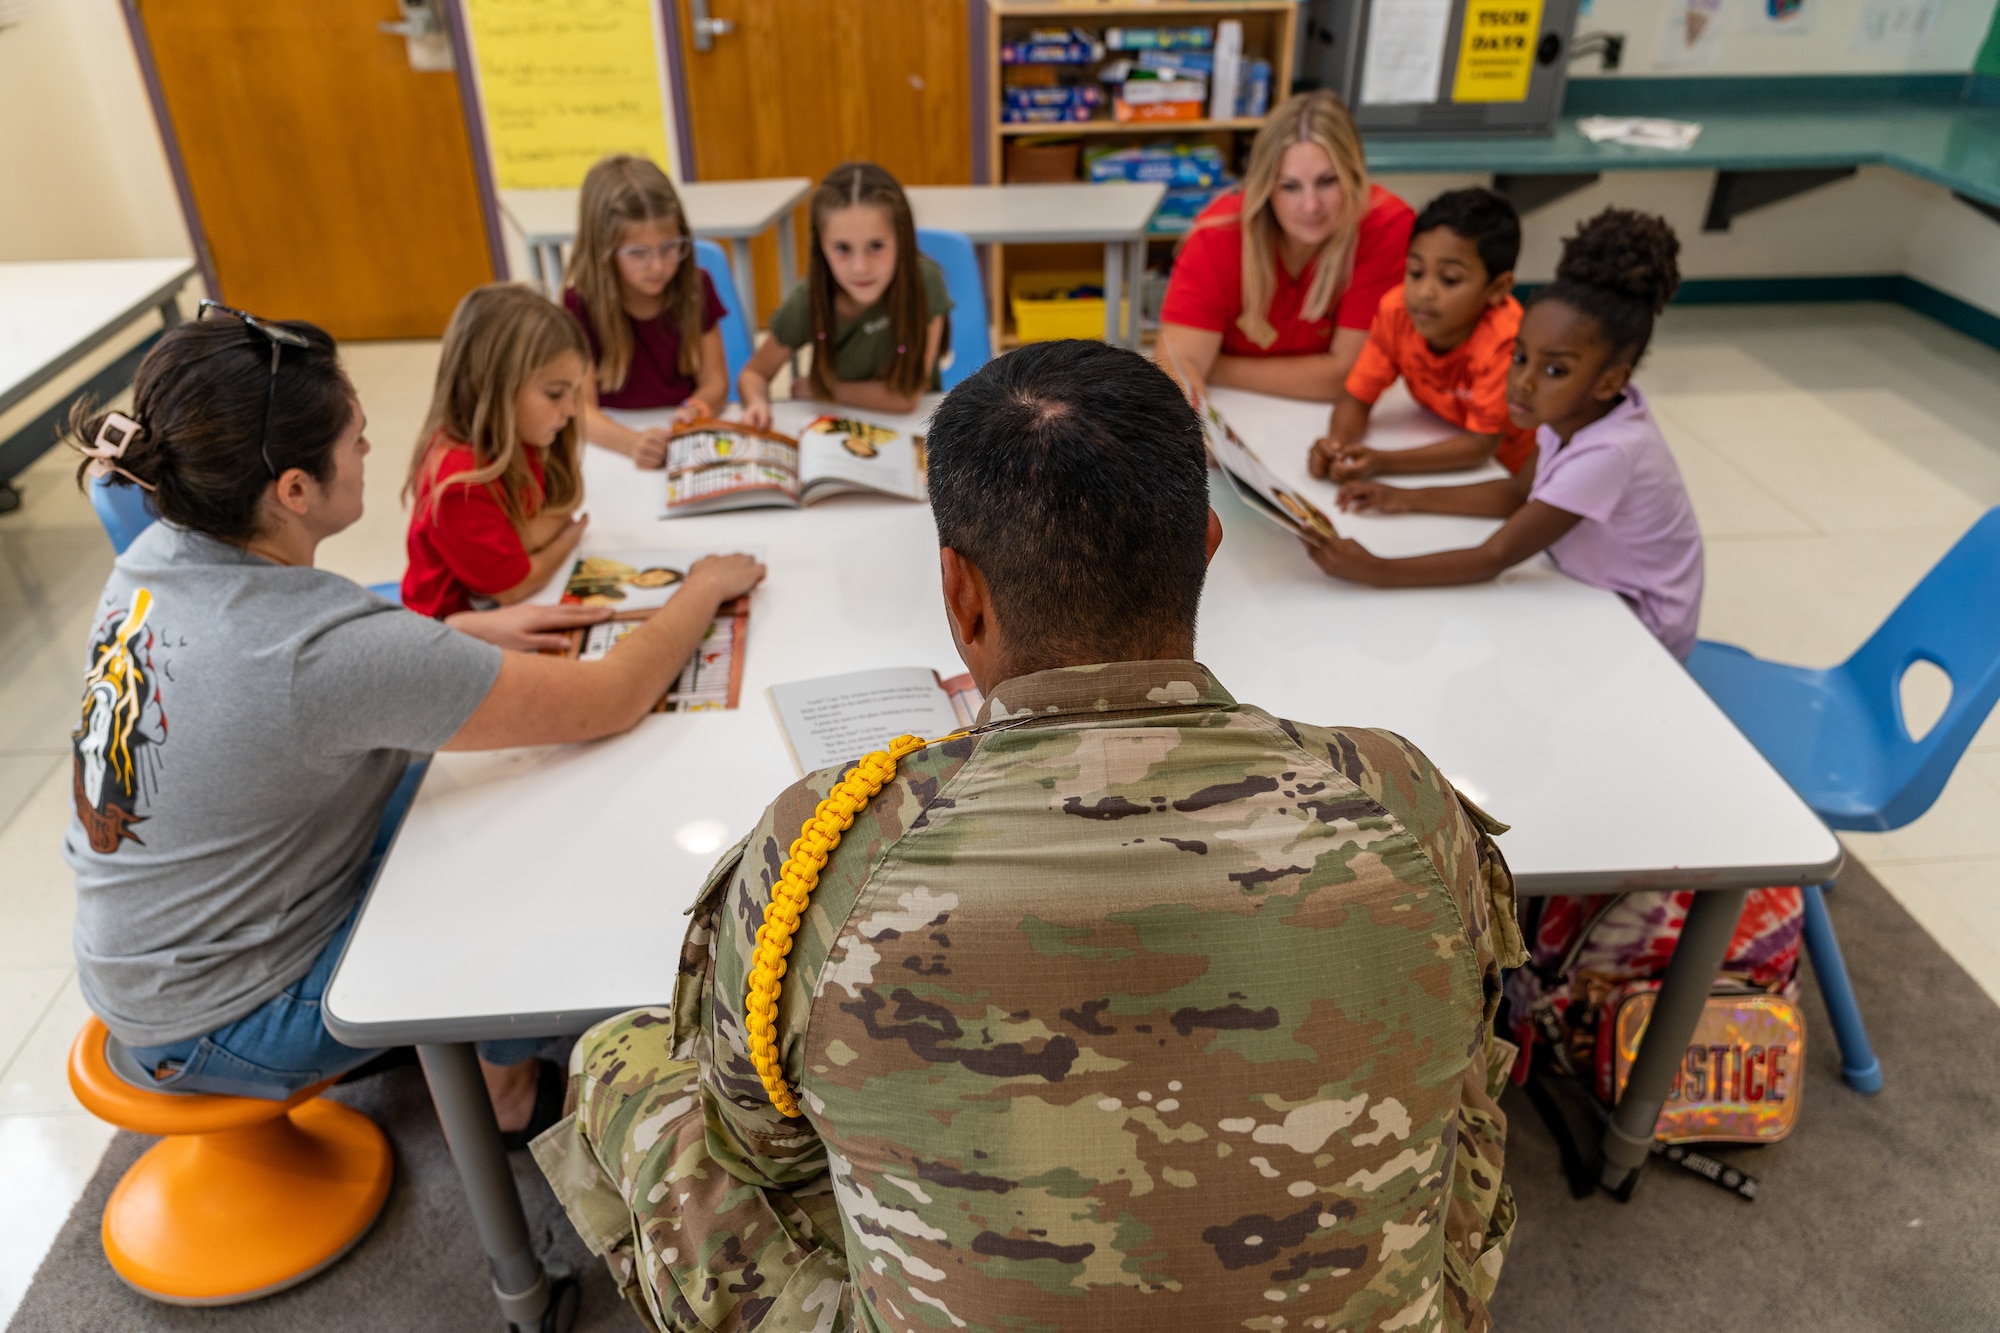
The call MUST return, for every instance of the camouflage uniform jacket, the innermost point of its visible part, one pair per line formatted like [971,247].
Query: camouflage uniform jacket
[1136,1009]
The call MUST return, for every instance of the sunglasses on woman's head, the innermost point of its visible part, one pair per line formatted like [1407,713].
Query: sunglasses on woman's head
[280,338]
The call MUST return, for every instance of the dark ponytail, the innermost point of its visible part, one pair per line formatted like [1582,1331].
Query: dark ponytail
[199,401]
[1620,269]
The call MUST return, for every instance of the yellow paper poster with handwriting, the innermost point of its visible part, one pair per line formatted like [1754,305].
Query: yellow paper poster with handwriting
[565,82]
[1496,51]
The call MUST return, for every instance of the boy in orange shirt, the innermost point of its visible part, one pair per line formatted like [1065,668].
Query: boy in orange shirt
[1448,332]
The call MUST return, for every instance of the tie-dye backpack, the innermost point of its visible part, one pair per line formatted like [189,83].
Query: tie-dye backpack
[1578,1005]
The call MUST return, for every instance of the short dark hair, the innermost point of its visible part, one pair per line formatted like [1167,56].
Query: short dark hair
[1482,216]
[199,400]
[1620,269]
[1074,475]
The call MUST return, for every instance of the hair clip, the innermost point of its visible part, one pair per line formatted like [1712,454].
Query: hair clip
[900,349]
[113,437]
[821,335]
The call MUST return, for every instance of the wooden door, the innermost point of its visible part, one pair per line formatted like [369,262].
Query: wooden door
[796,87]
[333,183]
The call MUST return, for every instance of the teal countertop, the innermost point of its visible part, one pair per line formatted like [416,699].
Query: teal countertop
[1783,123]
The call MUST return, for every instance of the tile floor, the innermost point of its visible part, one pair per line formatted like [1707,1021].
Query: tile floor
[1834,453]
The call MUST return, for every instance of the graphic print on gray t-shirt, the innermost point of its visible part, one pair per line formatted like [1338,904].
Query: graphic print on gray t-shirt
[241,726]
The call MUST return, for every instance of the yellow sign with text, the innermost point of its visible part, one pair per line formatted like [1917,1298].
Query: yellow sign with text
[1496,52]
[563,83]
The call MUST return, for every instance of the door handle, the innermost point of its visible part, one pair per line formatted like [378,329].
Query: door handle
[707,29]
[425,39]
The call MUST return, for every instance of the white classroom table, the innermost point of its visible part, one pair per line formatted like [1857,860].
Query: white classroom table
[732,211]
[54,313]
[532,892]
[1114,214]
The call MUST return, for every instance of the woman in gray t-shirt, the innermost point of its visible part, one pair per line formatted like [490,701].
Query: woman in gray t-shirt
[245,717]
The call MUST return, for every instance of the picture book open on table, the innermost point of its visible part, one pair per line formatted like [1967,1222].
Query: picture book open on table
[637,583]
[837,719]
[718,465]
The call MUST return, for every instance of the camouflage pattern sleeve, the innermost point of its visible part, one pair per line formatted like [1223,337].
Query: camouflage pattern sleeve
[750,1137]
[1458,837]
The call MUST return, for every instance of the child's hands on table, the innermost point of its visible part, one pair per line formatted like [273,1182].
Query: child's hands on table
[1342,557]
[650,449]
[757,413]
[1373,497]
[691,410]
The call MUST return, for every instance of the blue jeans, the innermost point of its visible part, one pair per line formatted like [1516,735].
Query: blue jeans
[283,1046]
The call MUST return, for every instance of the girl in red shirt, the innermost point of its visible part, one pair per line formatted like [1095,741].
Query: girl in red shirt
[650,314]
[496,479]
[1277,283]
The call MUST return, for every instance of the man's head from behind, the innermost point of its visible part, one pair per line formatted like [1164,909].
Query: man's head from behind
[1070,488]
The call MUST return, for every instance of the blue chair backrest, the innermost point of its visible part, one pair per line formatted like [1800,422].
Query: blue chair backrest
[1952,620]
[971,338]
[123,511]
[737,344]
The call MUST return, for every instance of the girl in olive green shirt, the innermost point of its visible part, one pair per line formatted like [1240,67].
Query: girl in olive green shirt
[874,310]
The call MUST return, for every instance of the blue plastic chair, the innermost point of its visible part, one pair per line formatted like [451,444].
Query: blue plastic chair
[971,339]
[125,513]
[1840,738]
[737,344]
[122,509]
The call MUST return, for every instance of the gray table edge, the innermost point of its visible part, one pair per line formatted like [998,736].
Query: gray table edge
[17,392]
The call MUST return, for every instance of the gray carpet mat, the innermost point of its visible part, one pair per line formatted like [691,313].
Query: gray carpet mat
[1878,1213]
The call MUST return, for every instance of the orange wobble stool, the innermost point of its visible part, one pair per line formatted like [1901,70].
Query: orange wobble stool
[243,1197]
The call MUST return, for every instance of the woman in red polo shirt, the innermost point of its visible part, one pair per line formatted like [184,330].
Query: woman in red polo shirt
[1278,281]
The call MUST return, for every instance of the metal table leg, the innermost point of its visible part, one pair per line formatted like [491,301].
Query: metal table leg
[1114,279]
[1628,1136]
[170,311]
[1135,283]
[746,276]
[520,1283]
[788,259]
[540,264]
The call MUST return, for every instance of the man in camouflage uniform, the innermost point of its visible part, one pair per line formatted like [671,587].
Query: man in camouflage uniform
[1133,1008]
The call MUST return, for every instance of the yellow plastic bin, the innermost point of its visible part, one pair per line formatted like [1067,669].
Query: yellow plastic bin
[1042,311]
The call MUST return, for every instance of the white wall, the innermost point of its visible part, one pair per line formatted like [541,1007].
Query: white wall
[1824,42]
[81,165]
[1879,222]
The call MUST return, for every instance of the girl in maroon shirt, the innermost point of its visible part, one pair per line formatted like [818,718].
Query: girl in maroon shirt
[650,314]
[1278,281]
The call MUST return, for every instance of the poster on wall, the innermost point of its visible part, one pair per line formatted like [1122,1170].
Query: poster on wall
[1895,27]
[1779,18]
[1691,37]
[1496,51]
[564,82]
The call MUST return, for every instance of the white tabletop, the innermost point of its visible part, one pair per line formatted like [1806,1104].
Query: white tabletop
[54,311]
[1115,211]
[531,891]
[717,209]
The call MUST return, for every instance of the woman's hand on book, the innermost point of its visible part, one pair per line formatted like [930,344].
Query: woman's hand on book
[526,627]
[724,577]
[756,413]
[1373,497]
[691,410]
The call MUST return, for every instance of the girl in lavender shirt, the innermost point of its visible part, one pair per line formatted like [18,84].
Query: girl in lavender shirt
[1604,498]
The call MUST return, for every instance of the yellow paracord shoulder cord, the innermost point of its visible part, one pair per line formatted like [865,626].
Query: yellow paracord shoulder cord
[796,881]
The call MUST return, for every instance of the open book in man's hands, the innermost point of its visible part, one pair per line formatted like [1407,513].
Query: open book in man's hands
[717,465]
[836,719]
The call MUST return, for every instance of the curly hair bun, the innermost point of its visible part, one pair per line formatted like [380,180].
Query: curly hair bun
[1626,252]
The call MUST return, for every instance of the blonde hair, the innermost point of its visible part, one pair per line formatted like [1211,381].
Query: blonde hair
[618,192]
[1320,118]
[499,336]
